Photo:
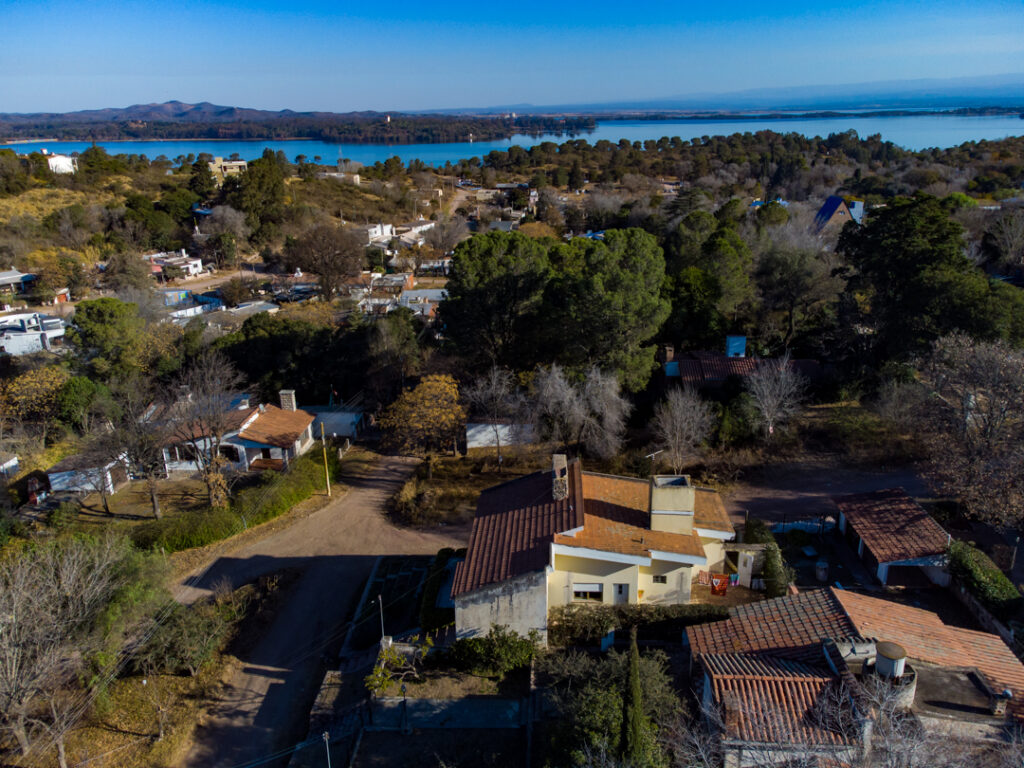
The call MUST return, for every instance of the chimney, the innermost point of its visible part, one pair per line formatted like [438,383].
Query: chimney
[288,400]
[559,477]
[668,353]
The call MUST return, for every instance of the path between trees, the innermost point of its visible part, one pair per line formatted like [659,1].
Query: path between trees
[264,702]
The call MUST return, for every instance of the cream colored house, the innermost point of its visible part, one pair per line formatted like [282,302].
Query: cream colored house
[569,536]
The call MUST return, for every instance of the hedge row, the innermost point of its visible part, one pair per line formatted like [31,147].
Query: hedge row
[272,496]
[587,624]
[980,576]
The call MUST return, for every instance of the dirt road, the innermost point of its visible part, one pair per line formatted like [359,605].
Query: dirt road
[265,702]
[796,490]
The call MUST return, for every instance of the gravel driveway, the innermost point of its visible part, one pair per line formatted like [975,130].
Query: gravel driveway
[264,703]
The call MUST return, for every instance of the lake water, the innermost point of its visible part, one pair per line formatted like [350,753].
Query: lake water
[911,132]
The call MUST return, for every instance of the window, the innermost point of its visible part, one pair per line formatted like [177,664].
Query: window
[659,579]
[230,453]
[588,591]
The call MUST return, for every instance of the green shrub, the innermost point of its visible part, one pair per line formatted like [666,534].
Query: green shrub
[757,532]
[186,640]
[980,576]
[272,496]
[276,493]
[500,651]
[63,515]
[195,528]
[777,575]
[587,624]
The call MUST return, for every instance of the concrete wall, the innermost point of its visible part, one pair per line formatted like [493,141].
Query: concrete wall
[714,550]
[520,604]
[569,569]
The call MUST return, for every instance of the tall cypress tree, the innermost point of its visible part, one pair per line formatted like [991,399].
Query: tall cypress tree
[634,725]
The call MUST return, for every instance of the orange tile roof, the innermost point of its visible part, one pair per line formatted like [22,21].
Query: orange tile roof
[773,700]
[926,638]
[892,525]
[275,426]
[617,520]
[517,521]
[513,529]
[792,627]
[709,511]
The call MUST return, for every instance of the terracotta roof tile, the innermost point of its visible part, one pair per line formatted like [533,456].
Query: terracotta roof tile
[616,519]
[513,528]
[709,511]
[926,638]
[893,526]
[791,627]
[778,707]
[275,426]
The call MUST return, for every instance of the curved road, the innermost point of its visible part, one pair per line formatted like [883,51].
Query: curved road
[264,703]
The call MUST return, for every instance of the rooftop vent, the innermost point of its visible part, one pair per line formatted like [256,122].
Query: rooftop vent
[890,660]
[559,477]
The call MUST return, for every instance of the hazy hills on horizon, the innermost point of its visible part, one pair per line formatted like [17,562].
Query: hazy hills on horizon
[935,93]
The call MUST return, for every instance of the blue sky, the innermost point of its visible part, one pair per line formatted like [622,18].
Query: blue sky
[340,56]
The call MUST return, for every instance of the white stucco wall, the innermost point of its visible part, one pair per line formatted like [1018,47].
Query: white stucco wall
[520,604]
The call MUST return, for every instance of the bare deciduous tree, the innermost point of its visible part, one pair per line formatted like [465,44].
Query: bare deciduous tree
[330,252]
[494,396]
[778,391]
[975,421]
[899,403]
[682,421]
[49,600]
[140,438]
[1008,235]
[202,416]
[448,232]
[591,414]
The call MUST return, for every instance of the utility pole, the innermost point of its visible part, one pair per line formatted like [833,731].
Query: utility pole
[380,602]
[327,472]
[327,747]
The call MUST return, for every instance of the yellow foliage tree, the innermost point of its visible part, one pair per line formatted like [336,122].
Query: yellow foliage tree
[426,418]
[32,396]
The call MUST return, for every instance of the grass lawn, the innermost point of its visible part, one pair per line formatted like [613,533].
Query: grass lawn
[444,684]
[132,504]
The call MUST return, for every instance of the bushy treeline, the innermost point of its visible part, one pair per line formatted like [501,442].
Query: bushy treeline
[368,128]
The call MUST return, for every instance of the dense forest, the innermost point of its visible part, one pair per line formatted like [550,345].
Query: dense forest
[369,128]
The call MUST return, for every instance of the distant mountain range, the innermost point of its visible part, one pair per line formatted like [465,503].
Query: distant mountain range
[933,93]
[171,112]
[930,93]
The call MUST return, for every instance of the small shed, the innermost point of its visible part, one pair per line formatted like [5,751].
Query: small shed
[83,474]
[894,536]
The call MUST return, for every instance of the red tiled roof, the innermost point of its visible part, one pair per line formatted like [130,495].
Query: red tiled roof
[276,426]
[792,627]
[517,521]
[893,526]
[773,700]
[616,519]
[514,525]
[709,511]
[926,638]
